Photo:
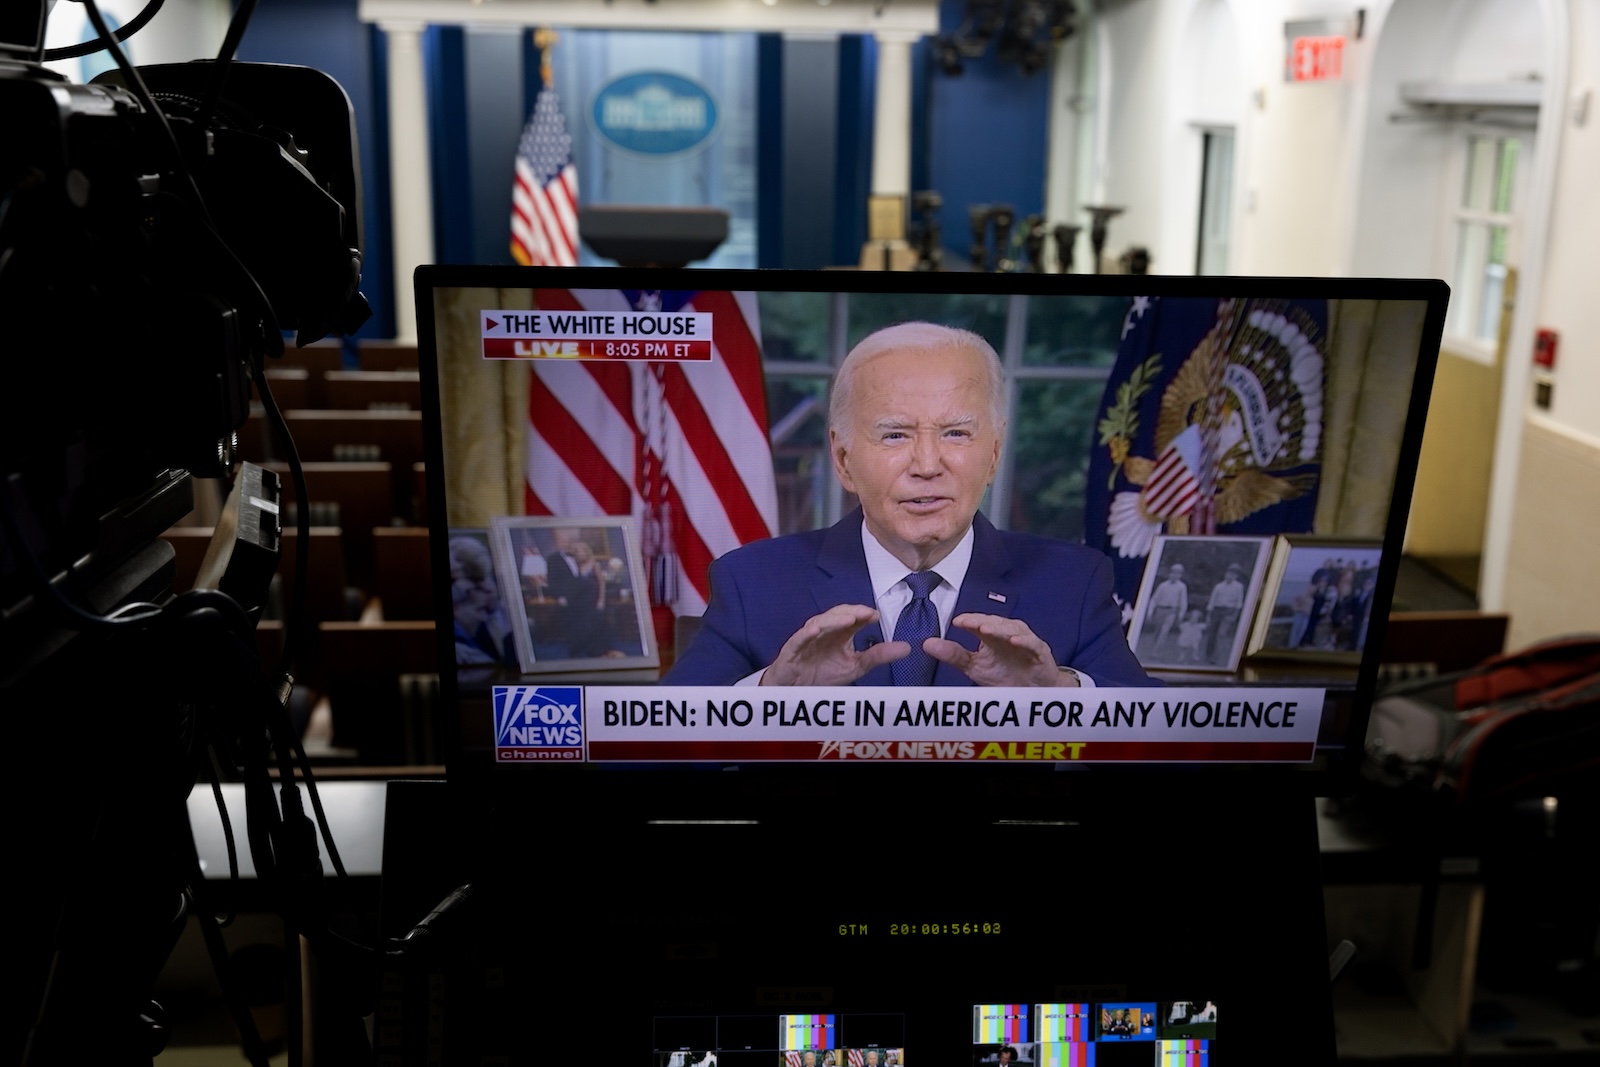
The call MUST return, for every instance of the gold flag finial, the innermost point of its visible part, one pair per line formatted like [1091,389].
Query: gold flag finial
[544,41]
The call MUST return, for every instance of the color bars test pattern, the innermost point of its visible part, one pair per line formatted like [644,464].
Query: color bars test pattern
[802,1032]
[1000,1024]
[1068,1054]
[1191,1052]
[1064,1022]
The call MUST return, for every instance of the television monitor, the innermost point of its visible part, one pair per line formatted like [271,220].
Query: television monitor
[1229,458]
[630,473]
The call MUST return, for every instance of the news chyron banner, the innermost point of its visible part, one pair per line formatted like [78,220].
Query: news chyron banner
[676,337]
[659,724]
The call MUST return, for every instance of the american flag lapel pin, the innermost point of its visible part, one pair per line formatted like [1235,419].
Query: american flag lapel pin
[998,598]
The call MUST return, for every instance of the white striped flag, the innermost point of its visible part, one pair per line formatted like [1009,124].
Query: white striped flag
[544,196]
[681,446]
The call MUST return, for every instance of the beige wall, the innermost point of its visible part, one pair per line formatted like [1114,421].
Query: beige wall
[1553,587]
[1451,499]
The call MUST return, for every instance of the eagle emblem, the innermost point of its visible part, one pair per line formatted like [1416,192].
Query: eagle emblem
[1238,425]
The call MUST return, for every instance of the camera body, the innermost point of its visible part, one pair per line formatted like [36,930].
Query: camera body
[142,275]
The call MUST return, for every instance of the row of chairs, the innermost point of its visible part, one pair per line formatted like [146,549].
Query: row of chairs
[398,587]
[368,590]
[373,656]
[345,390]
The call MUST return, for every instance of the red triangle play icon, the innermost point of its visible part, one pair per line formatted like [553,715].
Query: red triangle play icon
[488,324]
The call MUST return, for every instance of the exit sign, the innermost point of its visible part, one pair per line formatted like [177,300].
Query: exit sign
[1316,59]
[1314,50]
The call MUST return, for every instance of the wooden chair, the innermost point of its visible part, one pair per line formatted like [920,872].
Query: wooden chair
[316,360]
[380,355]
[319,358]
[368,672]
[338,436]
[404,572]
[291,387]
[1448,640]
[326,596]
[364,495]
[365,390]
[393,437]
[419,494]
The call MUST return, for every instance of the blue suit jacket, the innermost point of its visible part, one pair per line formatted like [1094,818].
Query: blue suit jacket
[762,593]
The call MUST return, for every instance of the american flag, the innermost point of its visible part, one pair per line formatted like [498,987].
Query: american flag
[544,197]
[1174,486]
[681,446]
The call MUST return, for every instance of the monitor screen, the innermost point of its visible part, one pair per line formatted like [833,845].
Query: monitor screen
[919,529]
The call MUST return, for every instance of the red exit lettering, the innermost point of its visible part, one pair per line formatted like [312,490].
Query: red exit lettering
[1314,59]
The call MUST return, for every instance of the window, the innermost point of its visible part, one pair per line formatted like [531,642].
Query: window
[1216,202]
[1057,351]
[1481,230]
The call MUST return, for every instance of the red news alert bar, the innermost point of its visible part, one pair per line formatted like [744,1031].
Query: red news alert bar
[595,348]
[956,751]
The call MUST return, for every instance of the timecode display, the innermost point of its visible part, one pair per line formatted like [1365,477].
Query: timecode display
[929,929]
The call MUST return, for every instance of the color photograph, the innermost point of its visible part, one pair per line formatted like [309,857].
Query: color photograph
[579,603]
[1317,600]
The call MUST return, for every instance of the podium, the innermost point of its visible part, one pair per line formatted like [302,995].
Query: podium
[643,236]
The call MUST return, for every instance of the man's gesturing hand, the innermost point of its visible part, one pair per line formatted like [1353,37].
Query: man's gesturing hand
[822,652]
[1009,653]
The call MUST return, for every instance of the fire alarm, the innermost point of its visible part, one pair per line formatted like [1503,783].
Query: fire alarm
[1544,349]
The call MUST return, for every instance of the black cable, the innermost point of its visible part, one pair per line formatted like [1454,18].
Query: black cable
[137,86]
[49,592]
[212,773]
[85,48]
[224,60]
[316,806]
[294,628]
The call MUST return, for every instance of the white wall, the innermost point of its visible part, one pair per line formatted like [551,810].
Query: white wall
[1139,39]
[1402,166]
[1203,90]
[1568,302]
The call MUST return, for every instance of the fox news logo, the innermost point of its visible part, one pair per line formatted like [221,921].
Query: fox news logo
[538,722]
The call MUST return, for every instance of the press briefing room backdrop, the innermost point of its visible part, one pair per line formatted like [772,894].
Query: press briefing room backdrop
[1439,138]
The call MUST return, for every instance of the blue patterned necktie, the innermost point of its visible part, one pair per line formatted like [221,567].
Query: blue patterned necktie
[918,622]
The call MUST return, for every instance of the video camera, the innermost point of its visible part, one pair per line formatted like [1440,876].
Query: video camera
[155,239]
[160,230]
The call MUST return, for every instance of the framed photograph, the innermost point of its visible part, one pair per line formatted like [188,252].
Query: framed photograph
[1317,600]
[1197,602]
[484,633]
[580,601]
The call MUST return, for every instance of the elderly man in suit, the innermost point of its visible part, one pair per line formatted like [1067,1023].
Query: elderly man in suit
[915,587]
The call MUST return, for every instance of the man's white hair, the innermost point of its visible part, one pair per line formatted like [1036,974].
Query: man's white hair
[928,337]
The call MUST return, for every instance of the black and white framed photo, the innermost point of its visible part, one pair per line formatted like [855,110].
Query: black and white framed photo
[1317,600]
[580,601]
[1197,602]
